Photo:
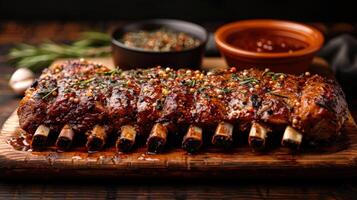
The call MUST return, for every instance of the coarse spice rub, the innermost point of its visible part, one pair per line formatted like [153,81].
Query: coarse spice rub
[80,97]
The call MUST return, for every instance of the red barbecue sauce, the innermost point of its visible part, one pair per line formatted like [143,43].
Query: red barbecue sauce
[265,41]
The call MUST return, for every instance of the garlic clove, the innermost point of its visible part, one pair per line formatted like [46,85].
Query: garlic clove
[21,86]
[21,74]
[21,79]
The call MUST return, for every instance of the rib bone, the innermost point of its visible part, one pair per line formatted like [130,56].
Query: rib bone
[192,141]
[127,138]
[223,135]
[96,139]
[65,138]
[88,93]
[257,136]
[157,138]
[39,139]
[291,138]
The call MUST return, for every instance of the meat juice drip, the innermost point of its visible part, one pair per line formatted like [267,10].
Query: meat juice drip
[116,159]
[52,157]
[147,157]
[20,142]
[263,41]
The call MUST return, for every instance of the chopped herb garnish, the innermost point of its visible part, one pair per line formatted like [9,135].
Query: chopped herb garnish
[235,77]
[190,83]
[207,96]
[180,76]
[201,89]
[278,95]
[248,81]
[226,90]
[84,82]
[268,73]
[124,84]
[273,78]
[49,93]
[273,75]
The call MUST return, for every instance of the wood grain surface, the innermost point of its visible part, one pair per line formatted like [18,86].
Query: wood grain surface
[240,162]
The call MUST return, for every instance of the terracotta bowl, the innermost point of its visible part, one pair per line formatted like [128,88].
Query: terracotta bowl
[131,57]
[288,62]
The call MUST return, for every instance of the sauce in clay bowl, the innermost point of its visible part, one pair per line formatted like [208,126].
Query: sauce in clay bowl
[282,46]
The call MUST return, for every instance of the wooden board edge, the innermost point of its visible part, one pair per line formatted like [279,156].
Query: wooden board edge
[18,162]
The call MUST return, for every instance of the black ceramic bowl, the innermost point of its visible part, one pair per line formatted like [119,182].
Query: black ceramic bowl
[130,57]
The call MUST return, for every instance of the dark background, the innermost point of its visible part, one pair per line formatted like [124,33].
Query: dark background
[34,21]
[194,10]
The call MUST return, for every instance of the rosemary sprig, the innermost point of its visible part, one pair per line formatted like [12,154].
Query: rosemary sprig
[90,44]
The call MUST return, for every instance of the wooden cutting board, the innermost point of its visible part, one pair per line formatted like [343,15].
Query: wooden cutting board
[336,161]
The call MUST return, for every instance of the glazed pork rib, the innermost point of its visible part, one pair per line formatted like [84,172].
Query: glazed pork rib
[80,97]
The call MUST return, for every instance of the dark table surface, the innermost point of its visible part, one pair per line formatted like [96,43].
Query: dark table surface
[12,32]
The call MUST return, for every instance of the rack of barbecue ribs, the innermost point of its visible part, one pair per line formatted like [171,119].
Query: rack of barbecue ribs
[110,106]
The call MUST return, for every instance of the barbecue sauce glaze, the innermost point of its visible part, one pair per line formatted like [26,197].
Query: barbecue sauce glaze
[265,41]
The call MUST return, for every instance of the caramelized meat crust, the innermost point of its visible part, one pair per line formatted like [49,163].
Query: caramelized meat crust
[83,94]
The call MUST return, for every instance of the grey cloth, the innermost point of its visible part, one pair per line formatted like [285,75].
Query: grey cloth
[211,48]
[341,54]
